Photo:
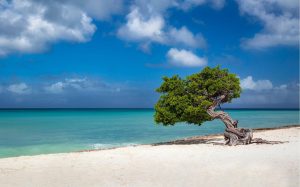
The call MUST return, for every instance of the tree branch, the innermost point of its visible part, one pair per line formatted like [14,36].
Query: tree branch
[227,120]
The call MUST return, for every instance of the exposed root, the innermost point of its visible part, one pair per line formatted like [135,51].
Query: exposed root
[262,141]
[238,136]
[232,138]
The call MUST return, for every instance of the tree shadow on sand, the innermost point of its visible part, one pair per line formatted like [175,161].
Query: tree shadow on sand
[213,141]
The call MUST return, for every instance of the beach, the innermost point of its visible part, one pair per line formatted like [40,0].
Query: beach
[206,163]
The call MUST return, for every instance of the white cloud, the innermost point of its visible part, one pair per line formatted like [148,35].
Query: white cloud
[72,83]
[83,85]
[146,23]
[186,37]
[31,26]
[282,87]
[155,6]
[249,84]
[285,95]
[57,87]
[20,88]
[280,20]
[185,58]
[138,27]
[102,9]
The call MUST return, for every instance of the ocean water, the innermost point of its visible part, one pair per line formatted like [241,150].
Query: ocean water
[32,132]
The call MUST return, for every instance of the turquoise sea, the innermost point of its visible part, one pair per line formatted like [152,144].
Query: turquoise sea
[41,131]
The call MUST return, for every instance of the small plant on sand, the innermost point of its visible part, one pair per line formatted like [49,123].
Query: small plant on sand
[195,98]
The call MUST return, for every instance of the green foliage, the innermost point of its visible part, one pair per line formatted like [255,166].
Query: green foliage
[186,100]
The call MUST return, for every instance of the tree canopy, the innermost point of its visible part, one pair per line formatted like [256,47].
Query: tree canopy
[187,100]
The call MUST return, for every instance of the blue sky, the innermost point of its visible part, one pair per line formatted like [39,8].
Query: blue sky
[100,53]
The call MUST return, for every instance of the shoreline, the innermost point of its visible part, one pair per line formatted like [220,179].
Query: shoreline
[203,139]
[204,164]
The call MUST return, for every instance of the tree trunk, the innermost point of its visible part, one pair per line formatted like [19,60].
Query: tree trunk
[232,134]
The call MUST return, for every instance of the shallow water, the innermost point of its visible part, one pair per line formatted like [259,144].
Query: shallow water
[31,132]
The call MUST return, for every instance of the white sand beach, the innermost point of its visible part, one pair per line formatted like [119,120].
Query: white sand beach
[206,164]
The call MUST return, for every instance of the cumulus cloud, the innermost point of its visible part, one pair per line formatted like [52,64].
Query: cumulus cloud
[186,37]
[57,87]
[280,20]
[285,95]
[139,27]
[81,85]
[185,58]
[31,26]
[20,88]
[102,9]
[249,84]
[66,84]
[146,23]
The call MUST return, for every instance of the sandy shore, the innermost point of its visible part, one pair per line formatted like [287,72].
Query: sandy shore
[205,164]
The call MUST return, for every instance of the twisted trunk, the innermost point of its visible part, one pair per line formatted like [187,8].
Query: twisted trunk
[232,134]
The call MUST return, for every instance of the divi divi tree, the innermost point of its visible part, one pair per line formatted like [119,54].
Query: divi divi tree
[194,100]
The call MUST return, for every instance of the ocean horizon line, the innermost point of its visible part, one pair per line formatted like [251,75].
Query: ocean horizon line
[133,108]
